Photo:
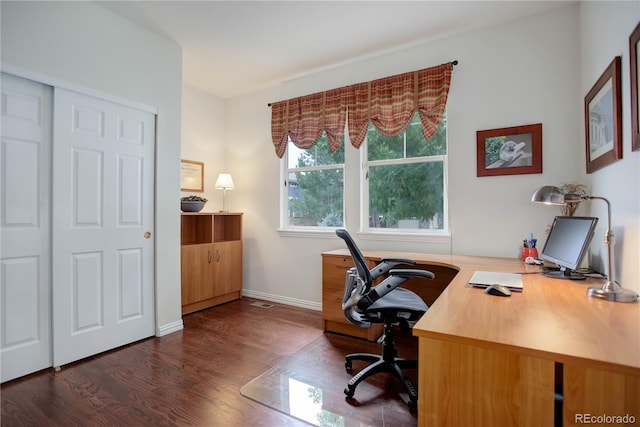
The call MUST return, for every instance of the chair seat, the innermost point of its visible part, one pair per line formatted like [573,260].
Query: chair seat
[400,300]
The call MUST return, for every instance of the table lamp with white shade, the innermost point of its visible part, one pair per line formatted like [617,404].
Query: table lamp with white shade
[224,183]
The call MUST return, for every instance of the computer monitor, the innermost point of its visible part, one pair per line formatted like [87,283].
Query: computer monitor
[567,244]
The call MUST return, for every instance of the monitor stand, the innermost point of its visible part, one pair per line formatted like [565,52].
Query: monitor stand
[564,273]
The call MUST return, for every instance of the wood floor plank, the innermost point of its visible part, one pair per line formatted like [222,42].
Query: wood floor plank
[191,377]
[188,378]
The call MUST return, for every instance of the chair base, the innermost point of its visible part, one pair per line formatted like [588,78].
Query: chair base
[388,362]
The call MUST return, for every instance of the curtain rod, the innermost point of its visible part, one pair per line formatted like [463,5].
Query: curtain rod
[454,63]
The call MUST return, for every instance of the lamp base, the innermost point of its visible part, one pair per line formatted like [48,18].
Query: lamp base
[611,291]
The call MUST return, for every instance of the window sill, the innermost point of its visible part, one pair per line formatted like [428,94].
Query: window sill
[325,233]
[442,238]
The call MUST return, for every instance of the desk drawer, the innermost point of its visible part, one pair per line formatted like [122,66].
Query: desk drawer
[334,271]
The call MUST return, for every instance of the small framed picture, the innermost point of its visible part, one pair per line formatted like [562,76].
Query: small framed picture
[191,176]
[603,119]
[509,151]
[634,46]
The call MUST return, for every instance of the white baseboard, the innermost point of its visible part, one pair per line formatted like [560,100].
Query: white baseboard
[282,300]
[169,328]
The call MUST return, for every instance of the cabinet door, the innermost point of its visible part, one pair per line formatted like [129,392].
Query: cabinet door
[227,267]
[197,273]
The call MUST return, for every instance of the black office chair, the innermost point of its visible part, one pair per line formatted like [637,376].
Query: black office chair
[364,304]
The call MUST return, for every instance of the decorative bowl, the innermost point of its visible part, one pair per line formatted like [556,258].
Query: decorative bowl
[191,206]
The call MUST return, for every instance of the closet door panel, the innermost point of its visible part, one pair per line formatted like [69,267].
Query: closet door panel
[103,246]
[25,158]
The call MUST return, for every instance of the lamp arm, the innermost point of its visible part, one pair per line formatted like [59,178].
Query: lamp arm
[609,240]
[608,209]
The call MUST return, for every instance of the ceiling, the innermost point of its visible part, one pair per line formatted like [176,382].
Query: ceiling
[235,47]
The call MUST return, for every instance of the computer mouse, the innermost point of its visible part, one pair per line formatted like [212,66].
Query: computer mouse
[498,290]
[533,261]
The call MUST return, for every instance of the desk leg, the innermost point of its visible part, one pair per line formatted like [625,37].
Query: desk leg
[464,385]
[592,393]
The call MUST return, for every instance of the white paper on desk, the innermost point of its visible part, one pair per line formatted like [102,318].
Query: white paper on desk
[482,279]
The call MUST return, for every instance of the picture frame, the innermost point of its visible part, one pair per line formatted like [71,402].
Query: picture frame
[191,176]
[603,119]
[512,150]
[634,56]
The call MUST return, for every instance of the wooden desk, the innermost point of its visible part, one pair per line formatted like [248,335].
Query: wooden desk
[493,361]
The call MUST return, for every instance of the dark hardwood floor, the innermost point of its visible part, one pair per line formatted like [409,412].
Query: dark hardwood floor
[191,377]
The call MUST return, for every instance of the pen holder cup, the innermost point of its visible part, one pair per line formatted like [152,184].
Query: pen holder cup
[529,252]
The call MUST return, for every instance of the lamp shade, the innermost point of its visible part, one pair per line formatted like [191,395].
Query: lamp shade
[224,182]
[549,195]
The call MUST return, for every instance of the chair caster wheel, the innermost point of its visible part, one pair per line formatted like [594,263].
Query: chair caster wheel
[413,406]
[348,392]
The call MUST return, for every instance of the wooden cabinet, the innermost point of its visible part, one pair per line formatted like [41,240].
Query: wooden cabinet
[211,259]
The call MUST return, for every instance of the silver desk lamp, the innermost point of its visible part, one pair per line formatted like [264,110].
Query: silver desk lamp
[610,290]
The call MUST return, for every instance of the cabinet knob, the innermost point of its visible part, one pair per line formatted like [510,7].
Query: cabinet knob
[209,256]
[147,234]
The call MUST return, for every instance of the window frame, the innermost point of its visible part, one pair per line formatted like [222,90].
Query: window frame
[407,234]
[301,230]
[355,185]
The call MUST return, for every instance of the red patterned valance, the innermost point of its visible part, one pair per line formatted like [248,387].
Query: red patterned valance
[389,103]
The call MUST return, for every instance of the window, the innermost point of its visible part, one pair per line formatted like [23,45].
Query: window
[314,180]
[404,180]
[403,188]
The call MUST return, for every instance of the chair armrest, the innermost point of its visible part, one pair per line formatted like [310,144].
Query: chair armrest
[396,278]
[387,264]
[412,273]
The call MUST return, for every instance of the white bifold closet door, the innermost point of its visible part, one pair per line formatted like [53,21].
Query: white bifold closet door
[76,226]
[103,224]
[25,233]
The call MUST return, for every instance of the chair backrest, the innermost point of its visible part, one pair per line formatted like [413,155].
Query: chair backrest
[358,258]
[358,282]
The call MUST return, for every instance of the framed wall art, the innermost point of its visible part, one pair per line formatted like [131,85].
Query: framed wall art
[603,119]
[634,45]
[509,151]
[191,176]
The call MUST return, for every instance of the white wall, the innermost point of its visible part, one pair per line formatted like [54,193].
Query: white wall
[203,140]
[605,28]
[84,44]
[518,73]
